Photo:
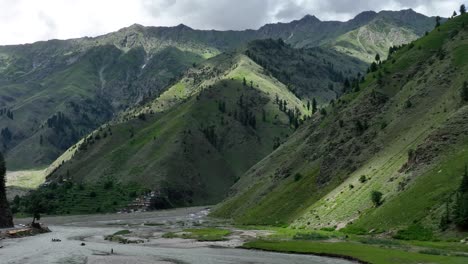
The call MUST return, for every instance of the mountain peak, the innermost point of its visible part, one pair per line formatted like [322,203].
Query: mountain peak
[309,18]
[364,16]
[133,28]
[183,26]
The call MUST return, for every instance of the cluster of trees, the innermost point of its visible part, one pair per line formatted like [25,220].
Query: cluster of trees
[59,122]
[294,115]
[6,112]
[245,115]
[353,85]
[101,133]
[210,134]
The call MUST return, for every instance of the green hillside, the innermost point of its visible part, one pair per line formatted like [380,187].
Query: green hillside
[402,134]
[310,73]
[189,145]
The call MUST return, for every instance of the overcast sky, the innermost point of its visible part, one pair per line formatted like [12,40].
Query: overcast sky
[25,21]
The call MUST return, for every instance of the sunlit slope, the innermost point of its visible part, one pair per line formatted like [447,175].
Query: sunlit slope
[403,134]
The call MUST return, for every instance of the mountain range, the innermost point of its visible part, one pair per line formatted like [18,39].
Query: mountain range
[56,92]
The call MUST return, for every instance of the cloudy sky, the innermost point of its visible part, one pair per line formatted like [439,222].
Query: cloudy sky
[25,21]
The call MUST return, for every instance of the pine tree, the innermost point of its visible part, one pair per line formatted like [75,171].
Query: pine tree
[377,57]
[464,183]
[462,9]
[461,206]
[346,85]
[314,106]
[6,218]
[464,92]
[445,219]
[437,21]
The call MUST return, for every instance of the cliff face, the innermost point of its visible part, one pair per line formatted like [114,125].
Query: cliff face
[6,218]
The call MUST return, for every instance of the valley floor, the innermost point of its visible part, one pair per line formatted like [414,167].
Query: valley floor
[147,228]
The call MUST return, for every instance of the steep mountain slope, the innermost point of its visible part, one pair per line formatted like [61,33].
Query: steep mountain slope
[312,73]
[193,142]
[52,93]
[404,134]
[47,108]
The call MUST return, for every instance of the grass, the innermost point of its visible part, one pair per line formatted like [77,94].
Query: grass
[361,44]
[122,232]
[203,234]
[29,179]
[368,253]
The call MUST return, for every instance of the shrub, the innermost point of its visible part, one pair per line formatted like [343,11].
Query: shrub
[297,177]
[362,179]
[354,230]
[376,197]
[310,236]
[414,232]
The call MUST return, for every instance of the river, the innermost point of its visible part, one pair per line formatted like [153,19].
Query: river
[91,230]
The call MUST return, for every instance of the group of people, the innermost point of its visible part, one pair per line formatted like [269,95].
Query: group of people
[56,240]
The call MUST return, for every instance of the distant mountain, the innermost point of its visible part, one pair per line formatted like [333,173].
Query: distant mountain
[402,131]
[55,92]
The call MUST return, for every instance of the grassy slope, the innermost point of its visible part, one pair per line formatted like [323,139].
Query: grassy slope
[371,39]
[267,195]
[168,150]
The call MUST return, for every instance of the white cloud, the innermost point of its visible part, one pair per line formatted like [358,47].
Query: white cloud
[25,21]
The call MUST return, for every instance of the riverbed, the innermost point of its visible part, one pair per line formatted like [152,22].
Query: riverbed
[82,241]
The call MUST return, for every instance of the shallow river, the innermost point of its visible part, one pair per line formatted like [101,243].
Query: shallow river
[91,230]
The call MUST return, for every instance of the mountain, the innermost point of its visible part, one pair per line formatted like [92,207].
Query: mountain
[404,134]
[49,105]
[310,73]
[362,37]
[386,29]
[55,92]
[193,142]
